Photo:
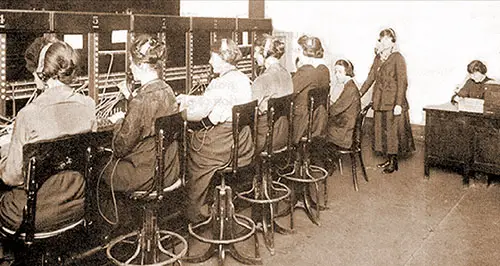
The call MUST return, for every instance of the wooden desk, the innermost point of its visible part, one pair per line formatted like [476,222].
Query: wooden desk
[466,141]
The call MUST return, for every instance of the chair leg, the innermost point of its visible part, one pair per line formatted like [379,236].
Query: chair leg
[362,165]
[340,166]
[354,176]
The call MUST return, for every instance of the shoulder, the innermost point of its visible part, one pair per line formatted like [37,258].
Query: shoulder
[398,56]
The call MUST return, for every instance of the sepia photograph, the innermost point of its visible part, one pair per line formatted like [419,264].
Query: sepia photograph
[249,132]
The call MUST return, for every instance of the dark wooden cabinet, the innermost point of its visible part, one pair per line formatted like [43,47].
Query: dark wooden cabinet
[463,140]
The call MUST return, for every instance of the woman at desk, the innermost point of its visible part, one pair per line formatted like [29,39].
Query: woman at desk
[274,82]
[134,146]
[475,85]
[392,129]
[312,73]
[210,146]
[57,112]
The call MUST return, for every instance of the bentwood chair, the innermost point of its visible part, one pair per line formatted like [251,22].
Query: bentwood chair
[266,193]
[41,161]
[228,227]
[355,149]
[305,175]
[150,245]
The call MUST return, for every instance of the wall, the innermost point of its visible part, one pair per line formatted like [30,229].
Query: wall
[204,8]
[438,39]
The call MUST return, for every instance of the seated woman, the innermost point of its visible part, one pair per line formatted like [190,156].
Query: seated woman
[57,112]
[210,147]
[273,83]
[474,87]
[345,105]
[134,145]
[312,73]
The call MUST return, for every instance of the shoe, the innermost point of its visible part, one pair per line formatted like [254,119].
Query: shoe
[393,165]
[384,164]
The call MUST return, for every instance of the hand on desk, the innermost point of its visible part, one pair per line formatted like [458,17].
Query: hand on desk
[182,101]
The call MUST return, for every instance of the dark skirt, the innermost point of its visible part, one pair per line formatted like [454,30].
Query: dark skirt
[209,150]
[300,123]
[60,203]
[280,134]
[392,134]
[136,170]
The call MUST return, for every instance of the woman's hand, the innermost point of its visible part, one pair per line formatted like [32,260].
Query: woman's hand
[182,101]
[124,89]
[397,110]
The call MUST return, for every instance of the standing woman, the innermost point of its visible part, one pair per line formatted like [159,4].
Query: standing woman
[274,82]
[312,73]
[392,129]
[210,146]
[134,145]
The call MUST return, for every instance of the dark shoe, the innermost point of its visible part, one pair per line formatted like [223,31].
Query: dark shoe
[393,165]
[384,164]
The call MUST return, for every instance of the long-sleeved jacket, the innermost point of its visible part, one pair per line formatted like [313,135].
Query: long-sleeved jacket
[343,114]
[306,78]
[391,83]
[134,143]
[275,82]
[472,89]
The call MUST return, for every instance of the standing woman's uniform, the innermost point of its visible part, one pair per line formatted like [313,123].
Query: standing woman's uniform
[210,148]
[343,114]
[134,145]
[275,82]
[55,113]
[392,132]
[306,78]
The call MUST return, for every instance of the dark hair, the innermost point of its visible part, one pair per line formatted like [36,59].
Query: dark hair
[60,60]
[276,47]
[389,32]
[348,66]
[146,49]
[311,46]
[478,66]
[227,49]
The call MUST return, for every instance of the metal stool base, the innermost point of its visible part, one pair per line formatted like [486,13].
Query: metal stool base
[223,222]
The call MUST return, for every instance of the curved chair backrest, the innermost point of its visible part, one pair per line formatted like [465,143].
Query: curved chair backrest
[44,159]
[358,128]
[170,129]
[243,115]
[317,97]
[277,108]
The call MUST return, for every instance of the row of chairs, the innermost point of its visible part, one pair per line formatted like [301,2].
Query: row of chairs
[152,246]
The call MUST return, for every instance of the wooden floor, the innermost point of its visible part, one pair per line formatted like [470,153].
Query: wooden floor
[397,219]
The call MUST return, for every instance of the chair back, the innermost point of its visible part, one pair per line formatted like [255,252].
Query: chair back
[317,97]
[170,129]
[276,109]
[42,160]
[358,127]
[243,115]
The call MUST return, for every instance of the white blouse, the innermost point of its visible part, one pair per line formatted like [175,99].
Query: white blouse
[229,89]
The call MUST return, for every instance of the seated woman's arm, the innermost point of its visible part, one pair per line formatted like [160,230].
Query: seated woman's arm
[128,133]
[11,169]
